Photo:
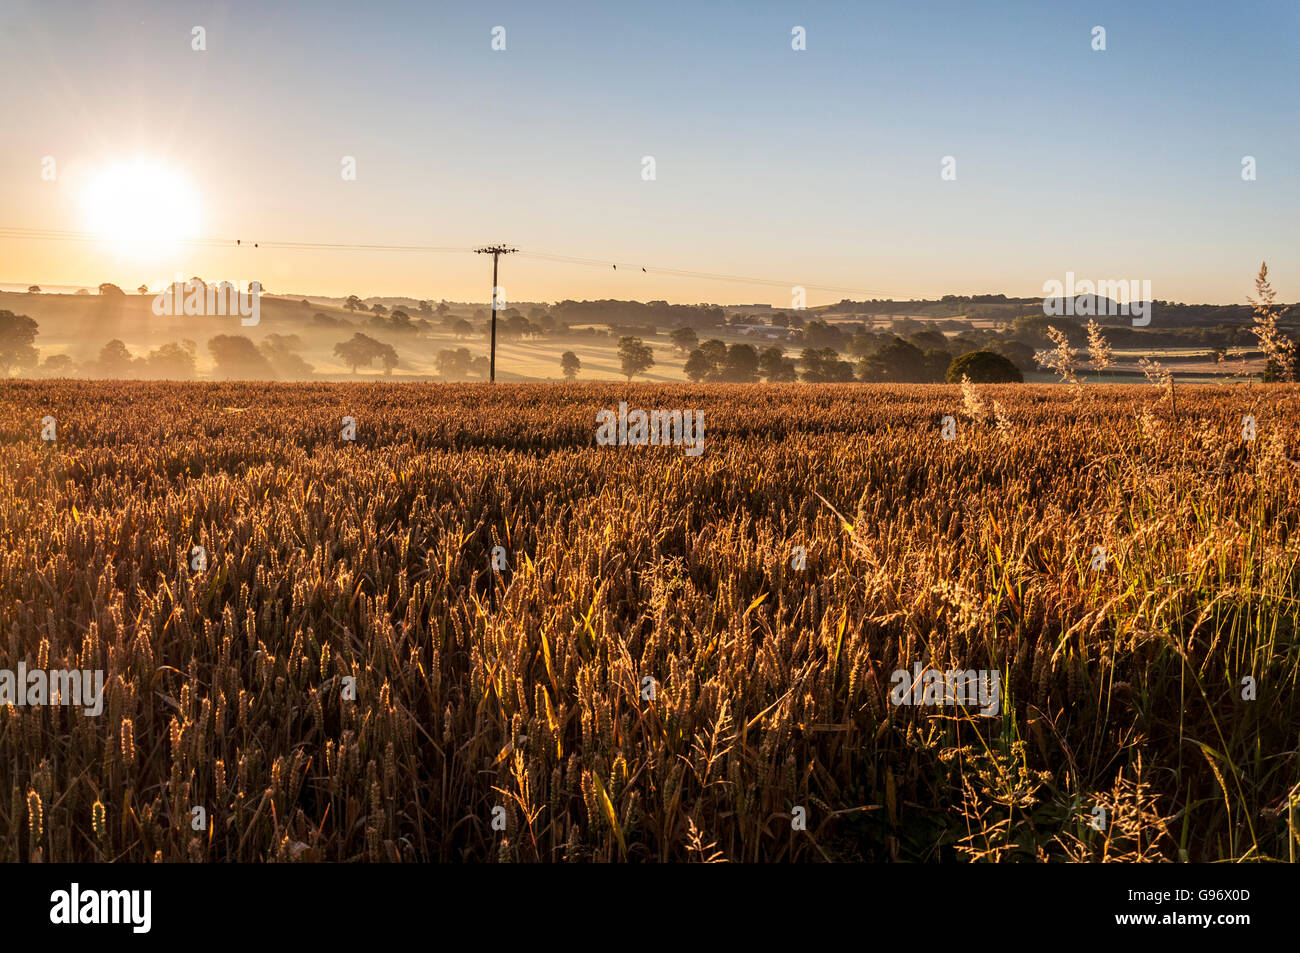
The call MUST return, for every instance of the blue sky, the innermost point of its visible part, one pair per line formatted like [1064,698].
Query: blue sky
[819,167]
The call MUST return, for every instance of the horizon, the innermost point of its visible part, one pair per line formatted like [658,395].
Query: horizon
[92,290]
[774,167]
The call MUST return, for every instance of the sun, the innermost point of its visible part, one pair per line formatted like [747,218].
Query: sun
[140,204]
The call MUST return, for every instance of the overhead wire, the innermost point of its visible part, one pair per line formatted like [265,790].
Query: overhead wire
[41,234]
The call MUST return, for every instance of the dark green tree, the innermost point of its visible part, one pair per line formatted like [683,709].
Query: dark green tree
[236,357]
[17,332]
[684,339]
[984,367]
[358,350]
[635,356]
[570,365]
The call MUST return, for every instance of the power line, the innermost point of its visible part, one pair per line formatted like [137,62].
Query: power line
[709,276]
[60,235]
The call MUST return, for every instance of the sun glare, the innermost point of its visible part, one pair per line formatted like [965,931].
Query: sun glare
[140,204]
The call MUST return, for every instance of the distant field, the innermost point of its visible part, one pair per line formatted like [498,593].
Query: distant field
[80,325]
[669,657]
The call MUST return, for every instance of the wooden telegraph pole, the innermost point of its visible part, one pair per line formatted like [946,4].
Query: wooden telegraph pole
[496,251]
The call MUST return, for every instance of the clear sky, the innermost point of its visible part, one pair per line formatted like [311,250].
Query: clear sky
[819,167]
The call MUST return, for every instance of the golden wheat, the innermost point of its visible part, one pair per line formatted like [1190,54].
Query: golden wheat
[654,675]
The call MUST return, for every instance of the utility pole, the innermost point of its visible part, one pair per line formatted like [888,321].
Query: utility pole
[496,251]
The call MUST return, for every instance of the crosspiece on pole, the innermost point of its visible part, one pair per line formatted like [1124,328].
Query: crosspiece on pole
[496,251]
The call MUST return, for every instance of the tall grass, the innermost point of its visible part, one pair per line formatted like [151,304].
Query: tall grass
[523,689]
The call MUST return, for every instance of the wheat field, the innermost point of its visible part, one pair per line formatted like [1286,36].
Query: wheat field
[678,658]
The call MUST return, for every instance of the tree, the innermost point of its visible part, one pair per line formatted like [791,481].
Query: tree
[426,307]
[171,362]
[17,332]
[822,335]
[388,358]
[1018,353]
[922,358]
[570,365]
[708,362]
[453,362]
[866,343]
[936,364]
[898,361]
[685,339]
[698,366]
[512,324]
[929,340]
[108,288]
[58,365]
[379,309]
[634,356]
[115,360]
[281,352]
[34,289]
[237,357]
[462,328]
[480,367]
[823,365]
[741,365]
[774,366]
[715,351]
[358,350]
[143,289]
[354,304]
[984,367]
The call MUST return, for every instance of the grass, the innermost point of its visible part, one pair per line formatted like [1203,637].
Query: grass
[526,690]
